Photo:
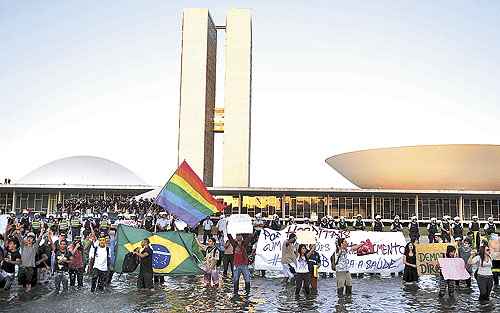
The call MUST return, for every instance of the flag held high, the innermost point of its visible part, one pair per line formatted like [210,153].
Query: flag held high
[186,197]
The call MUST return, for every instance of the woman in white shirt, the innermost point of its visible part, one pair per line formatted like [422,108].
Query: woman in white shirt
[484,274]
[302,274]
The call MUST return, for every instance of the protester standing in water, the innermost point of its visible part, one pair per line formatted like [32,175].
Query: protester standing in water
[484,274]
[340,264]
[410,262]
[240,255]
[447,283]
[302,273]
[145,279]
[464,252]
[314,261]
[209,265]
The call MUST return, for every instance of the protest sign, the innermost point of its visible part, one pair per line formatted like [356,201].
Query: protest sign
[385,250]
[239,224]
[453,268]
[306,237]
[4,220]
[427,257]
[380,252]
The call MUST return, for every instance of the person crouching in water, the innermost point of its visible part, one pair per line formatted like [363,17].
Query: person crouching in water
[209,265]
[302,273]
[341,266]
[240,247]
[443,283]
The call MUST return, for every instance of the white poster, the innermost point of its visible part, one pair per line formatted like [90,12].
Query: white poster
[268,253]
[381,252]
[4,221]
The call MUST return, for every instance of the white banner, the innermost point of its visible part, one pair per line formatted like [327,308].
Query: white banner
[386,255]
[381,252]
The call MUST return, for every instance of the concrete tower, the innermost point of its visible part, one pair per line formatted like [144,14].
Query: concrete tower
[197,92]
[237,99]
[197,95]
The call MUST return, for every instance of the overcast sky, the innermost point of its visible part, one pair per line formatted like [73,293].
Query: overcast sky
[102,78]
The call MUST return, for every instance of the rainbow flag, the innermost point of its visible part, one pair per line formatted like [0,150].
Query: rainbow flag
[186,197]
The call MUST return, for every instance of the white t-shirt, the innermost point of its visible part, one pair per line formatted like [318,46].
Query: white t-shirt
[101,259]
[207,225]
[222,225]
[484,270]
[162,222]
[302,266]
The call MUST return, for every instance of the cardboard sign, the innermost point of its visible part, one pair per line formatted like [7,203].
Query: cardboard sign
[453,268]
[427,257]
[239,224]
[306,237]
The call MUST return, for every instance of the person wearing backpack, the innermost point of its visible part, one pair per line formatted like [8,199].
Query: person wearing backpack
[99,261]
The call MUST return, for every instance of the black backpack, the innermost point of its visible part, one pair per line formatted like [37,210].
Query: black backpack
[130,263]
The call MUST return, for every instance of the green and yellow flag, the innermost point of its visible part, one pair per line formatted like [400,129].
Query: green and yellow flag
[174,253]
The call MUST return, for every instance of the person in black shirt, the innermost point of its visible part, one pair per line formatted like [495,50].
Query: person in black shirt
[11,258]
[145,279]
[62,258]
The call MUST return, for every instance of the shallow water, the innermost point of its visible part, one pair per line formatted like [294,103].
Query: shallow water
[187,294]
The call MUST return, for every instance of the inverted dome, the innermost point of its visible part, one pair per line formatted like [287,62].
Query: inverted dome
[82,170]
[445,167]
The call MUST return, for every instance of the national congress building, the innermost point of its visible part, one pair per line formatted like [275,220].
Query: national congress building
[426,181]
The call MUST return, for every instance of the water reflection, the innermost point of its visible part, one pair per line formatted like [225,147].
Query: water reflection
[186,294]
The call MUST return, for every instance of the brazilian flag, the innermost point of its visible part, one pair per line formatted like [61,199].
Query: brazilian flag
[174,253]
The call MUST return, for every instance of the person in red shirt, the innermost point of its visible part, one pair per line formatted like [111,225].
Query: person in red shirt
[76,264]
[240,247]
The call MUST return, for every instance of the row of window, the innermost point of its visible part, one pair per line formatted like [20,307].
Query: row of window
[43,202]
[350,207]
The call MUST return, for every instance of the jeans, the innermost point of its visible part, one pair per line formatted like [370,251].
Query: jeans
[76,274]
[443,283]
[302,279]
[145,280]
[238,270]
[485,284]
[7,278]
[206,235]
[226,261]
[99,279]
[61,277]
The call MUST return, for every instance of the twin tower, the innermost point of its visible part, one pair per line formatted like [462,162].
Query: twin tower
[197,95]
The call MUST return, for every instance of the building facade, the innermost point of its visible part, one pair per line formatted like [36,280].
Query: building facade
[316,203]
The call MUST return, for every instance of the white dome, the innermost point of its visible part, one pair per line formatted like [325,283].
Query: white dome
[82,170]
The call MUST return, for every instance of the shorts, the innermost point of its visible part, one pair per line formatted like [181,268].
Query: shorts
[26,275]
[343,279]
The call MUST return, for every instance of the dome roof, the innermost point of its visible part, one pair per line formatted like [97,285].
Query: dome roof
[82,170]
[436,167]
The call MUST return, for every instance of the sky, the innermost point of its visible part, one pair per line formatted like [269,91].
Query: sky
[102,78]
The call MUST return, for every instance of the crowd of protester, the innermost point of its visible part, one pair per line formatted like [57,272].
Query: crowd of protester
[61,249]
